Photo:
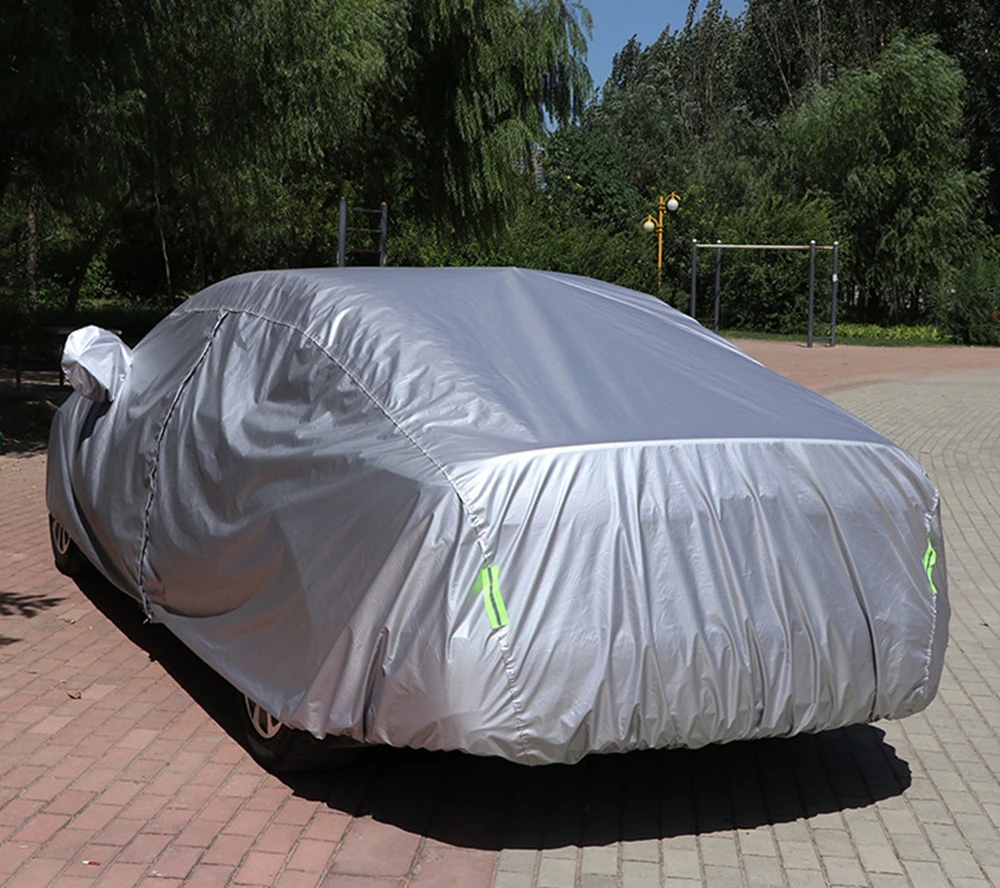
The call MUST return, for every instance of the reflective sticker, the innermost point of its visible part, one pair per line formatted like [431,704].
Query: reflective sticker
[488,582]
[930,559]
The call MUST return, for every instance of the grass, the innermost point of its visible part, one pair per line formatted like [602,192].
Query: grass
[770,337]
[856,334]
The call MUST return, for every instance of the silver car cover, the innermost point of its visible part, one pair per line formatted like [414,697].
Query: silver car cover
[512,512]
[96,362]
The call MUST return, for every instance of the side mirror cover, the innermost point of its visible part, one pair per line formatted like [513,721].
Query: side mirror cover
[96,363]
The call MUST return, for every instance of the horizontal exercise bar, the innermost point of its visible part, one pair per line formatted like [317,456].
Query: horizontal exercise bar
[704,245]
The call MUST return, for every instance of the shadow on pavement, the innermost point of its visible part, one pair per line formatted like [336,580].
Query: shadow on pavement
[492,804]
[26,413]
[23,604]
[26,604]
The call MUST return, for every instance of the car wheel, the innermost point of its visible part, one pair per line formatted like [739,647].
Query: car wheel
[68,557]
[280,748]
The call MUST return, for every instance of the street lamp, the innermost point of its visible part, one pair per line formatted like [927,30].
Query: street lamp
[664,205]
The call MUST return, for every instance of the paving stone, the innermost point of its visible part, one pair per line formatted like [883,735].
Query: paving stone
[879,859]
[556,872]
[374,848]
[888,880]
[913,847]
[259,868]
[799,855]
[764,872]
[640,874]
[844,871]
[508,879]
[833,843]
[311,855]
[719,850]
[517,860]
[926,875]
[681,864]
[757,842]
[642,849]
[722,876]
[446,867]
[599,860]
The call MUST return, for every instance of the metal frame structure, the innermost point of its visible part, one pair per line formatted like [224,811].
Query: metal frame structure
[812,247]
[343,228]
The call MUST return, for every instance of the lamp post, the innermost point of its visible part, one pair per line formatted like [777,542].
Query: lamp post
[667,204]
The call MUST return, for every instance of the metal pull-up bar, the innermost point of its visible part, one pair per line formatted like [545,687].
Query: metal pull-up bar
[342,229]
[812,247]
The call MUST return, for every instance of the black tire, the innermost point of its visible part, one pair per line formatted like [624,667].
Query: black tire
[282,749]
[68,557]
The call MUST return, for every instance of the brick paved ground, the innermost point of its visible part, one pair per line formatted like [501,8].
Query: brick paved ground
[114,746]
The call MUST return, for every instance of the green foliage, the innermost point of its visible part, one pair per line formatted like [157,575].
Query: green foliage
[457,126]
[587,176]
[788,46]
[147,149]
[903,334]
[966,30]
[967,304]
[667,101]
[769,290]
[190,139]
[542,237]
[883,143]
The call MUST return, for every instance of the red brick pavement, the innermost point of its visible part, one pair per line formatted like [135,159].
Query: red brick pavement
[828,370]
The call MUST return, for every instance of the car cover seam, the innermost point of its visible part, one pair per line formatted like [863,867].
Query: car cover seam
[151,495]
[508,665]
[670,442]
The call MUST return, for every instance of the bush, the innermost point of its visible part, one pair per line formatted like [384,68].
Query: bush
[901,333]
[769,290]
[967,306]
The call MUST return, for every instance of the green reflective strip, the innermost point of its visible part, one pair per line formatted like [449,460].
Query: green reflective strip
[930,559]
[488,582]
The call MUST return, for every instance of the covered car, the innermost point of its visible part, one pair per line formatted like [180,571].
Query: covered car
[510,512]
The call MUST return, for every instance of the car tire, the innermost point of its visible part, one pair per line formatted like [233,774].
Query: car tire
[282,749]
[68,557]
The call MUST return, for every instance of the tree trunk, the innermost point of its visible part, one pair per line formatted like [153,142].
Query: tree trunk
[163,242]
[32,246]
[4,172]
[90,250]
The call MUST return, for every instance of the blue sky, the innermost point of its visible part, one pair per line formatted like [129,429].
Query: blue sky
[617,20]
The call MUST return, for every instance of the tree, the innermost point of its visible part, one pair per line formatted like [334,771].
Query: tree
[884,145]
[586,176]
[64,96]
[477,79]
[788,46]
[191,138]
[966,30]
